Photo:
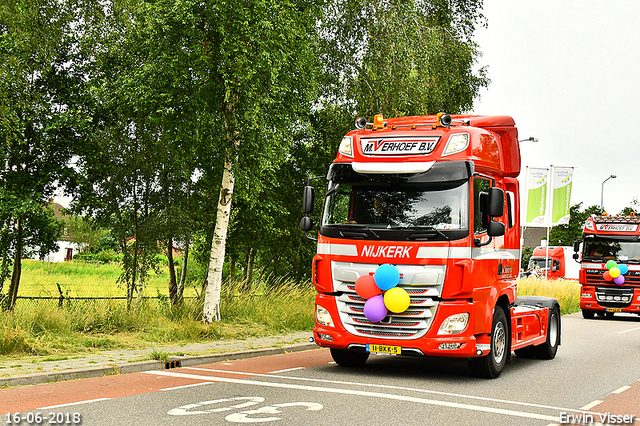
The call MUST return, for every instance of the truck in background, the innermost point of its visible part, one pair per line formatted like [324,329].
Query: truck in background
[557,263]
[610,265]
[425,211]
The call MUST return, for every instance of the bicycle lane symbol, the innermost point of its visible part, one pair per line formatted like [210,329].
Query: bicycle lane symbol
[247,416]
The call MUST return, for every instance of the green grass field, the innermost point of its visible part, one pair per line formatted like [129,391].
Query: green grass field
[41,328]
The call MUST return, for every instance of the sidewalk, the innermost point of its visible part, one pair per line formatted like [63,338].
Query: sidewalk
[12,373]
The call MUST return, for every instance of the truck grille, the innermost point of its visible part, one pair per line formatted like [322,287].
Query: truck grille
[614,297]
[595,277]
[422,282]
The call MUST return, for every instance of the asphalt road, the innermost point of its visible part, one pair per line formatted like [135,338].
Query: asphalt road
[596,371]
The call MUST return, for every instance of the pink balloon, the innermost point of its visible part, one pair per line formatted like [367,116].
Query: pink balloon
[366,287]
[619,279]
[374,309]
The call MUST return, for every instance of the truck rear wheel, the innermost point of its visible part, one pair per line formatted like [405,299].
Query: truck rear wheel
[347,358]
[549,348]
[586,314]
[491,366]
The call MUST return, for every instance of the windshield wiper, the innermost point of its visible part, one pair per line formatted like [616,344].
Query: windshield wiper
[430,232]
[367,228]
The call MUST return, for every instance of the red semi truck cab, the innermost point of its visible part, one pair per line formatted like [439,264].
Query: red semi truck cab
[610,242]
[436,199]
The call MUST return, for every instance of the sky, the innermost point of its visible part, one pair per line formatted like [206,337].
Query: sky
[568,73]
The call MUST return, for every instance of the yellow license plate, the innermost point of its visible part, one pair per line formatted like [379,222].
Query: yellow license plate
[614,309]
[384,349]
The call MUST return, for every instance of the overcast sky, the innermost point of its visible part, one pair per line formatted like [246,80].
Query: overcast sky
[568,73]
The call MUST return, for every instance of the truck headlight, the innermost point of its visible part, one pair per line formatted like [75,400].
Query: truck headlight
[346,146]
[457,142]
[323,316]
[455,324]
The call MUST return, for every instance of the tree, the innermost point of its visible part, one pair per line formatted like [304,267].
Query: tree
[566,235]
[41,120]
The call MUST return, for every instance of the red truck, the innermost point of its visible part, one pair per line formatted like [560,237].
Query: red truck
[418,248]
[553,263]
[610,265]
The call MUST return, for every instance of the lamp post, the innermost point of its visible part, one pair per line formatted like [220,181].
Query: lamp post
[602,193]
[531,139]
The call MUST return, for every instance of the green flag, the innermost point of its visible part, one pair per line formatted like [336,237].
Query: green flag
[536,193]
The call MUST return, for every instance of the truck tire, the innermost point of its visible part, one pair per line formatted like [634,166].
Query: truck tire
[490,366]
[586,314]
[549,348]
[346,358]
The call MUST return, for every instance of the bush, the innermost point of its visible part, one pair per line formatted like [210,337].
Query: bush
[88,257]
[107,255]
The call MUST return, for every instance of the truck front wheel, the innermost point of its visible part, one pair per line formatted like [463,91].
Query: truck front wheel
[586,314]
[347,358]
[491,366]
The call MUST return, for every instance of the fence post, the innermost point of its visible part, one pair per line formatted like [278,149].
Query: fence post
[61,299]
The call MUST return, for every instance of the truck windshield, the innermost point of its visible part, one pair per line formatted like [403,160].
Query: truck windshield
[599,249]
[539,263]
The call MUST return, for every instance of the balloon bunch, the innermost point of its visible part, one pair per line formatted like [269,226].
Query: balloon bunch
[615,272]
[381,293]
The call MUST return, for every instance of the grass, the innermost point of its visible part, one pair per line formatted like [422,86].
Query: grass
[567,292]
[42,329]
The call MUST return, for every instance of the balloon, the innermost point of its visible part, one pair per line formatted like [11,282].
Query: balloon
[397,300]
[623,268]
[619,279]
[607,276]
[366,287]
[386,276]
[374,309]
[611,264]
[614,272]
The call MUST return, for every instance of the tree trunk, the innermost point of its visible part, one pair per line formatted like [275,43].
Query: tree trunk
[183,273]
[17,268]
[173,282]
[211,309]
[250,263]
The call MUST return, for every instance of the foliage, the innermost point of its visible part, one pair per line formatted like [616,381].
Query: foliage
[566,235]
[526,254]
[86,233]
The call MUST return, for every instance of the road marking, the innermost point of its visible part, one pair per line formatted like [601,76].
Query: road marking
[631,329]
[73,403]
[185,386]
[339,382]
[360,393]
[591,405]
[622,389]
[286,369]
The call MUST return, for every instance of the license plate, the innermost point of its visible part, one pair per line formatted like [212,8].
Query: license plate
[614,309]
[384,349]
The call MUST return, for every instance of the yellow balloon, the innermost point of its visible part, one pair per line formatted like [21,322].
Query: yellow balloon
[397,300]
[614,272]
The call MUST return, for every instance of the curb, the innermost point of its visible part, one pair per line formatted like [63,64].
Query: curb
[140,366]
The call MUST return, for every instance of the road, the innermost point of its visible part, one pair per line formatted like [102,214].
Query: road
[596,371]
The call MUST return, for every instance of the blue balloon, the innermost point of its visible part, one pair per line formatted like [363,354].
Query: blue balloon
[623,269]
[386,277]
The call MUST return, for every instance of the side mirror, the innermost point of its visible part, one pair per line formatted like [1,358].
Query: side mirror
[576,246]
[307,200]
[576,256]
[495,229]
[495,203]
[306,224]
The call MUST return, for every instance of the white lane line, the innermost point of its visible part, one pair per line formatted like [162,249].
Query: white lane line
[286,369]
[185,386]
[591,405]
[622,389]
[631,329]
[360,393]
[372,385]
[73,403]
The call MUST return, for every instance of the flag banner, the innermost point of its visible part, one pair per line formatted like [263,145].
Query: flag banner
[536,192]
[561,199]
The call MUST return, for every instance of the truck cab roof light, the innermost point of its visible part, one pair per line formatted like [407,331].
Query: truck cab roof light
[346,146]
[378,122]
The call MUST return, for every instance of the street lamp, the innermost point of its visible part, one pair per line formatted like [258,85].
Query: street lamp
[602,193]
[531,139]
